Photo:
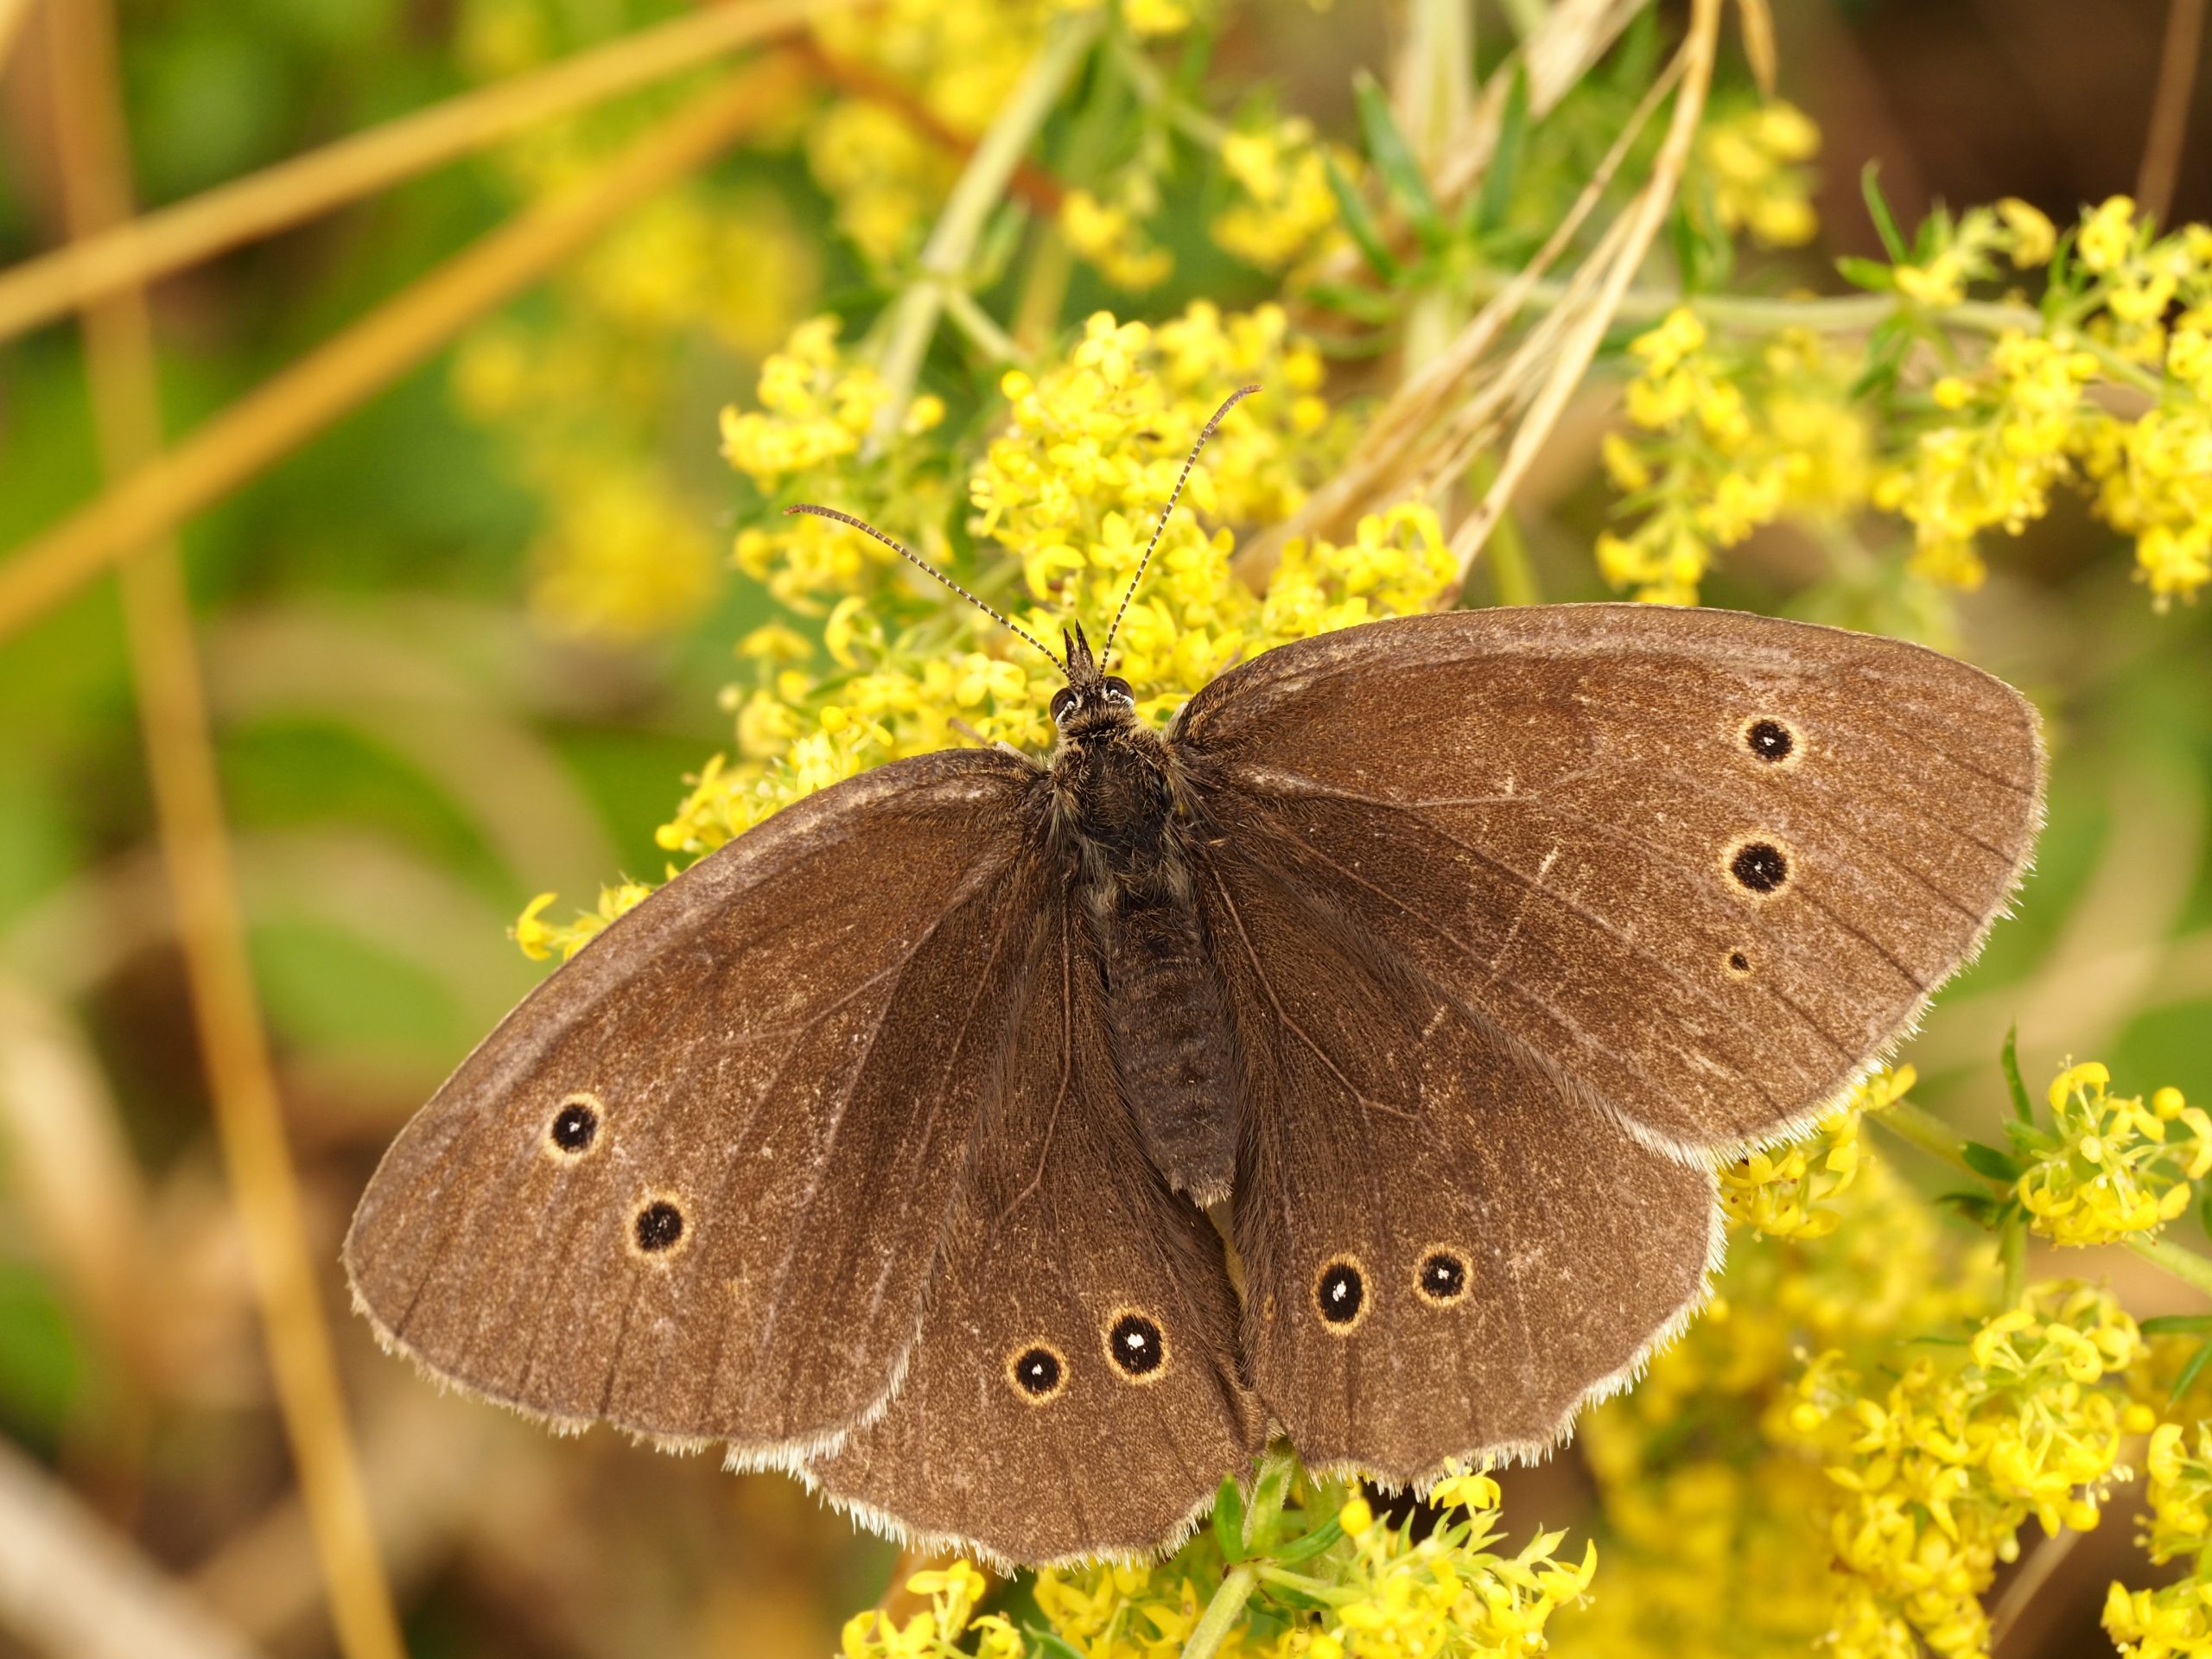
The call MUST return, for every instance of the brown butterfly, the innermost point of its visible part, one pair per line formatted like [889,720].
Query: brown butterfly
[1442,955]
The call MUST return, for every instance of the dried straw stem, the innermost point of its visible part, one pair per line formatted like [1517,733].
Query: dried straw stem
[12,13]
[1581,337]
[2177,68]
[96,192]
[1433,412]
[137,251]
[69,1584]
[267,423]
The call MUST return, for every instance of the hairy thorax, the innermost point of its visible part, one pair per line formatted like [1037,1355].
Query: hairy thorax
[1116,809]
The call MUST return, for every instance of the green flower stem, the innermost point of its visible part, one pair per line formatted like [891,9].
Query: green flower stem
[1150,85]
[1222,1613]
[2192,1268]
[971,319]
[2013,1247]
[1928,1132]
[952,241]
[1939,1139]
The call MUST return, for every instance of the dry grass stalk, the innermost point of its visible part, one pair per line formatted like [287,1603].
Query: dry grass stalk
[1589,321]
[70,1584]
[1433,413]
[2178,65]
[12,13]
[282,414]
[139,250]
[92,151]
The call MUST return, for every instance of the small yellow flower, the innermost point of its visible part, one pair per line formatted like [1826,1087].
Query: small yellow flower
[2108,234]
[2032,236]
[2120,1166]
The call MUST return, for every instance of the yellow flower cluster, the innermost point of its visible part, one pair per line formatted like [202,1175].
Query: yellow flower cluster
[1068,493]
[2115,1165]
[957,62]
[1936,1472]
[1755,159]
[1110,233]
[948,1628]
[1731,436]
[1285,208]
[577,392]
[1737,437]
[1782,1193]
[2154,475]
[1702,1479]
[2176,1618]
[2019,422]
[1373,1593]
[541,939]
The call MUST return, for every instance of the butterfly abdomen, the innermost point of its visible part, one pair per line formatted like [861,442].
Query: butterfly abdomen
[1169,1018]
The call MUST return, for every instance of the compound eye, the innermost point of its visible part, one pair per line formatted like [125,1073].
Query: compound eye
[1063,703]
[1117,689]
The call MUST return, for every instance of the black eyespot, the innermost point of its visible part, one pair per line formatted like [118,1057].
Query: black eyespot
[660,1226]
[1119,690]
[1770,740]
[1760,866]
[1340,1293]
[1063,701]
[1037,1372]
[575,1125]
[1738,962]
[1134,1344]
[1443,1277]
[573,1128]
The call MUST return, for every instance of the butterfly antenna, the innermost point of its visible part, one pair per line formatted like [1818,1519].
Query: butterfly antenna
[912,557]
[1175,495]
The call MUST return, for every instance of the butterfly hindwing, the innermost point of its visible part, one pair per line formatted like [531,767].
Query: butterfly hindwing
[1075,1390]
[693,1184]
[1444,1255]
[1701,867]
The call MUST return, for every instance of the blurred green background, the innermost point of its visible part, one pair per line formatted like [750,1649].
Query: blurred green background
[409,749]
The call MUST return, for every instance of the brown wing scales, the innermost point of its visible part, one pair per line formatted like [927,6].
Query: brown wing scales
[784,1052]
[1075,1388]
[1703,866]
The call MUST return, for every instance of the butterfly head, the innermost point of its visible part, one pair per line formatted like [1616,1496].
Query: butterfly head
[1091,698]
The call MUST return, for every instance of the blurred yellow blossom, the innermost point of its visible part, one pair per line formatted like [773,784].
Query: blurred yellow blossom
[1286,206]
[1781,1191]
[1935,1471]
[1759,185]
[947,1629]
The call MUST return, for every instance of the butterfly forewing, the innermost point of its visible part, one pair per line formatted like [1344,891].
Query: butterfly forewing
[1444,1255]
[694,1184]
[1701,867]
[1074,1390]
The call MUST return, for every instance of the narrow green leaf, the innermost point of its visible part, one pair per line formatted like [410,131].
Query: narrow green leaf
[1229,1520]
[1362,304]
[1045,1643]
[1352,209]
[1312,1544]
[2172,1325]
[1393,159]
[2190,1372]
[2010,1055]
[1977,1207]
[1886,224]
[1870,274]
[1504,172]
[1988,1160]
